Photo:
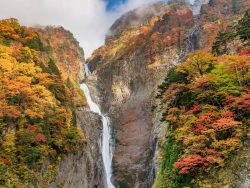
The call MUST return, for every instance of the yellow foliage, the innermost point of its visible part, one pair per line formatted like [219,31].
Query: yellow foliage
[8,143]
[16,79]
[227,146]
[239,65]
[153,21]
[197,64]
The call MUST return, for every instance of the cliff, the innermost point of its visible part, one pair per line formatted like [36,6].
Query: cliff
[128,69]
[172,77]
[131,65]
[177,157]
[47,132]
[62,45]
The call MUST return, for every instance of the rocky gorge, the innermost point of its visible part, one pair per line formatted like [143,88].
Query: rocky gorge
[127,86]
[119,117]
[127,90]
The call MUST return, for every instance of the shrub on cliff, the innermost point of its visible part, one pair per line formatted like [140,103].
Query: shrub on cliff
[206,116]
[241,30]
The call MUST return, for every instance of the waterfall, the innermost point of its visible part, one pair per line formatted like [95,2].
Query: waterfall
[192,46]
[192,38]
[107,152]
[87,71]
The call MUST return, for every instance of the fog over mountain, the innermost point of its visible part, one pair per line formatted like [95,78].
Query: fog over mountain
[88,20]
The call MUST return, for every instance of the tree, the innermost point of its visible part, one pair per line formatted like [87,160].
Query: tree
[197,64]
[220,45]
[240,67]
[243,27]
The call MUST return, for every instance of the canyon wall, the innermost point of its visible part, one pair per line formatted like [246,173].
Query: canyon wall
[126,83]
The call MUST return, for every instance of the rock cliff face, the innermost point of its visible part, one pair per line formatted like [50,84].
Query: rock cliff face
[127,80]
[85,168]
[126,92]
[137,54]
[136,17]
[62,45]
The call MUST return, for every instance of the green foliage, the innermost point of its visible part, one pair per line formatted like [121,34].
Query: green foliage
[241,30]
[121,184]
[35,44]
[3,174]
[243,27]
[168,176]
[225,80]
[172,77]
[53,69]
[33,156]
[220,46]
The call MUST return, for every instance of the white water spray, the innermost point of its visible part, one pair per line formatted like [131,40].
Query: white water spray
[107,152]
[87,71]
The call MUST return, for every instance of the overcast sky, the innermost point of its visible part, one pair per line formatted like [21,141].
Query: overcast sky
[88,20]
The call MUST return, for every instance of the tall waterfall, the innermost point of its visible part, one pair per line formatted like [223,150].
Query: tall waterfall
[107,152]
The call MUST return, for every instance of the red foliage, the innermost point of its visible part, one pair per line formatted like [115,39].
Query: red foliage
[225,123]
[40,138]
[191,164]
[241,102]
[194,109]
[228,114]
[203,121]
[32,128]
[59,123]
[244,52]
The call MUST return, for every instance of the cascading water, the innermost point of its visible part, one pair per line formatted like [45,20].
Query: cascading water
[87,71]
[107,152]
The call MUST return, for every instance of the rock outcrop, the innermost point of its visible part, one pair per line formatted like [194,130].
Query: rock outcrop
[126,95]
[135,18]
[85,168]
[68,54]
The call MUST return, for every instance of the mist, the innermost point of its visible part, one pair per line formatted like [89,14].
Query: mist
[88,20]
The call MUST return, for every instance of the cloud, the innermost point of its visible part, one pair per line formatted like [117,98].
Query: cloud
[88,20]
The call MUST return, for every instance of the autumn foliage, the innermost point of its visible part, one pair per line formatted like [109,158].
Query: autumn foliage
[153,37]
[207,103]
[37,106]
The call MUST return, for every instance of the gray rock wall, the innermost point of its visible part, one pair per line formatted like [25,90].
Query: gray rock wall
[85,168]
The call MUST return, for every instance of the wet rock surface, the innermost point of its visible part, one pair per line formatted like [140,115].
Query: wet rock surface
[125,89]
[85,168]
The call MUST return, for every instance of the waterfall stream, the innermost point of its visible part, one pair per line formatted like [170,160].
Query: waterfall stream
[87,71]
[107,152]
